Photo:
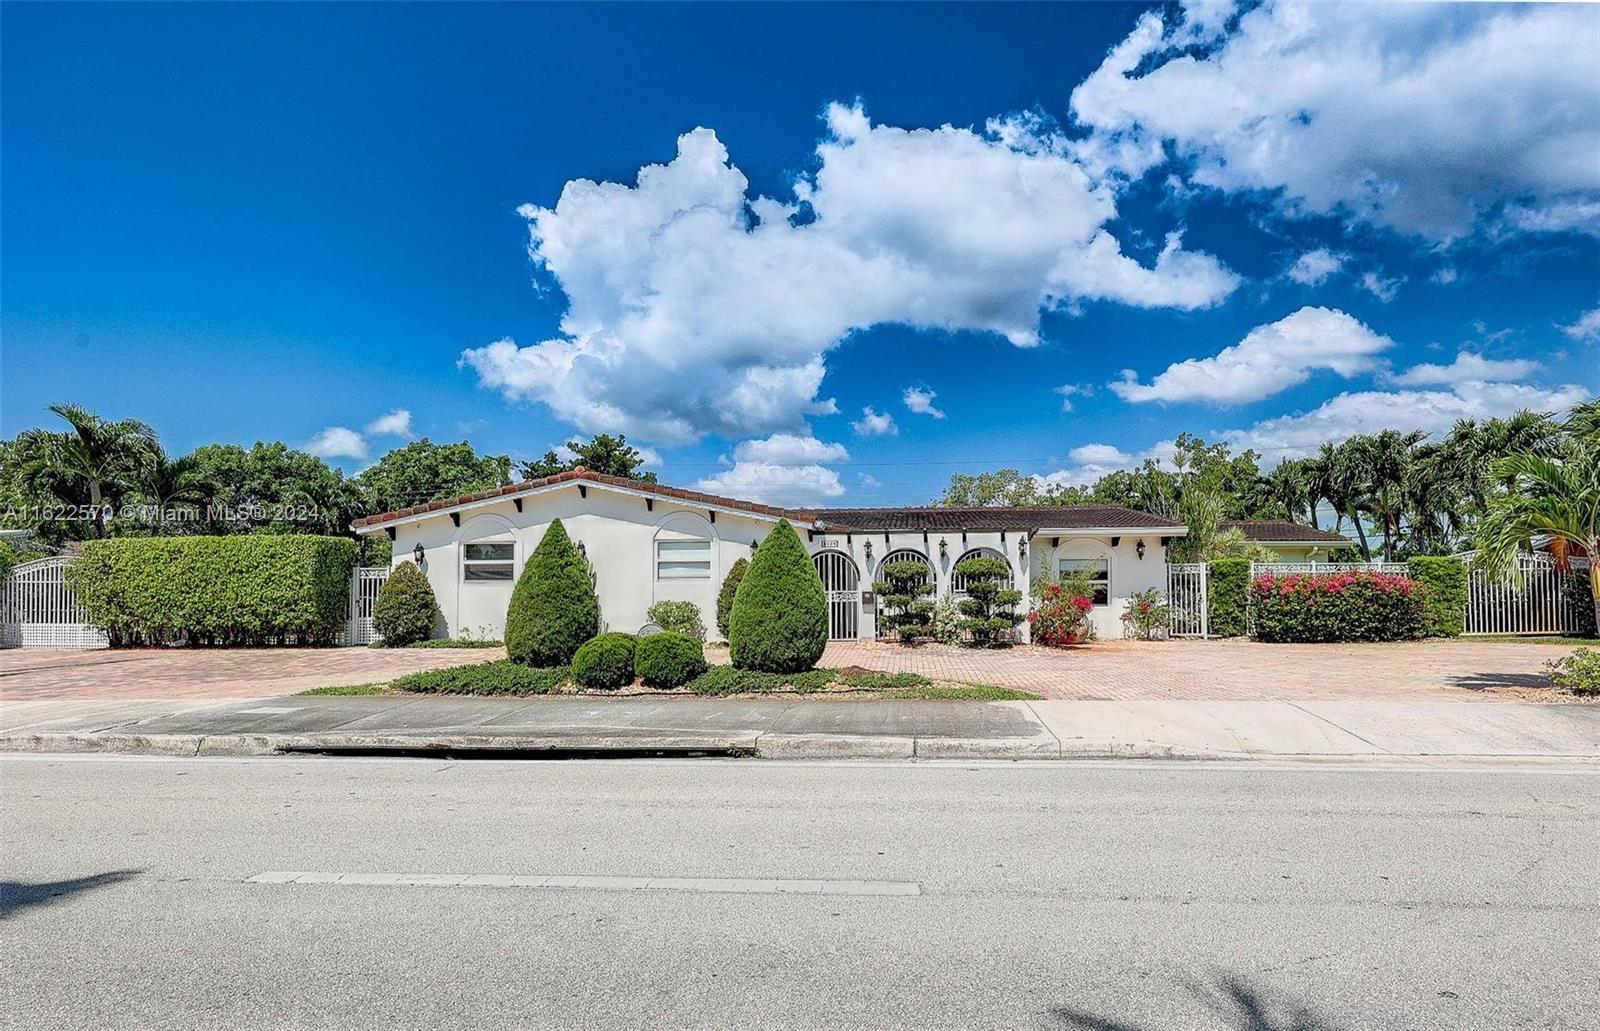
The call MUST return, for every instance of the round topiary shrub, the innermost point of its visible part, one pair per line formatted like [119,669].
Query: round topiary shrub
[730,587]
[605,662]
[780,613]
[554,608]
[668,659]
[406,609]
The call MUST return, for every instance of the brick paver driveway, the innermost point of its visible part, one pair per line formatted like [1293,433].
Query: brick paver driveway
[1241,670]
[212,673]
[1113,670]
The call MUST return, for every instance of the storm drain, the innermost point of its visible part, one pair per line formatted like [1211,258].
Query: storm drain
[723,885]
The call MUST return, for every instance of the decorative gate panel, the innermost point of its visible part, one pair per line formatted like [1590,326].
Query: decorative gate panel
[364,587]
[1188,594]
[1535,601]
[39,610]
[841,579]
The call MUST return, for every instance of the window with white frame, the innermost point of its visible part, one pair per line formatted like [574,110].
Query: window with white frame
[1099,570]
[683,560]
[488,560]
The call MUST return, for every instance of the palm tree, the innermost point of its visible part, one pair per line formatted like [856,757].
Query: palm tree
[1349,476]
[168,483]
[1388,466]
[1553,499]
[92,461]
[1287,486]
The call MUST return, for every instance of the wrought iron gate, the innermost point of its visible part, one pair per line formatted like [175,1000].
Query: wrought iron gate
[841,579]
[364,586]
[1537,600]
[39,610]
[1188,592]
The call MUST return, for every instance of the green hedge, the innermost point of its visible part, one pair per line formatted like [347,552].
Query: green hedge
[554,608]
[1344,606]
[1227,596]
[780,613]
[1444,579]
[730,587]
[668,659]
[605,662]
[232,591]
[1580,602]
[406,610]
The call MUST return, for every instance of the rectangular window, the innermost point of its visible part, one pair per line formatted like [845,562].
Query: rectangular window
[1099,575]
[488,561]
[683,560]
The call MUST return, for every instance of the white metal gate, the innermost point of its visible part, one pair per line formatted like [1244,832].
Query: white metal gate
[364,587]
[39,610]
[1535,601]
[841,579]
[1188,594]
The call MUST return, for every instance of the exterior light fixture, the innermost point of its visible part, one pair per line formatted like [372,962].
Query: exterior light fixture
[1138,549]
[417,553]
[754,544]
[583,550]
[944,548]
[1022,547]
[868,546]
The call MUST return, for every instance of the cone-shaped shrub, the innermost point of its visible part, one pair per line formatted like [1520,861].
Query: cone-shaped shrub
[730,587]
[780,613]
[554,608]
[406,608]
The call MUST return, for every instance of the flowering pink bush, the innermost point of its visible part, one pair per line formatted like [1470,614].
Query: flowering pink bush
[1060,618]
[1344,606]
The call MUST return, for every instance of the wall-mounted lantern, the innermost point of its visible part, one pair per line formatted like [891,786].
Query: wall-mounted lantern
[1138,549]
[944,548]
[583,551]
[417,553]
[867,547]
[754,544]
[1022,547]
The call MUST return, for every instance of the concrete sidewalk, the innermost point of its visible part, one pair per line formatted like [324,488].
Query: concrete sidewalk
[808,729]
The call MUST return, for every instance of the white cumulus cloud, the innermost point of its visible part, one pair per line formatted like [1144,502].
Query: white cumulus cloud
[920,401]
[775,484]
[874,423]
[789,449]
[396,424]
[1270,358]
[694,307]
[1313,268]
[1379,287]
[1430,119]
[1586,329]
[1468,368]
[338,442]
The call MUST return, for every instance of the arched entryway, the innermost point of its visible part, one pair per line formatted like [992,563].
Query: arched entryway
[841,579]
[958,583]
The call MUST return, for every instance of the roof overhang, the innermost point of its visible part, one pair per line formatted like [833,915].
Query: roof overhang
[1112,531]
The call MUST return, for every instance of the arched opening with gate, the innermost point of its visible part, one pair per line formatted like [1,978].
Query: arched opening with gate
[958,583]
[906,555]
[841,580]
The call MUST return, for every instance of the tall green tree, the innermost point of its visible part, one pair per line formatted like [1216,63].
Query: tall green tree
[612,456]
[423,471]
[272,488]
[94,461]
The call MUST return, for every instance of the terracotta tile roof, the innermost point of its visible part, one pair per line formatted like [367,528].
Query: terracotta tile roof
[800,516]
[1282,531]
[941,519]
[836,520]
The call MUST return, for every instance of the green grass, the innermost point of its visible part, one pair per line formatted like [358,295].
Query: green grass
[1567,642]
[872,680]
[349,689]
[965,692]
[725,680]
[457,642]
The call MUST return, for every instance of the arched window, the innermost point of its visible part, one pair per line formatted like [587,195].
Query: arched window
[488,550]
[907,555]
[958,583]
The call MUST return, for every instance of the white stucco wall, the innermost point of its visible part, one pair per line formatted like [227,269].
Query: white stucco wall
[618,532]
[1129,573]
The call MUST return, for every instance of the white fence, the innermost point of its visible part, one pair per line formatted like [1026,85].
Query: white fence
[1535,599]
[364,587]
[39,610]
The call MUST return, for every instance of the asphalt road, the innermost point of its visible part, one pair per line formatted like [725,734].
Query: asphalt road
[1095,896]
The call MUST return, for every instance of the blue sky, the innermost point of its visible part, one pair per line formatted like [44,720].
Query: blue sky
[287,221]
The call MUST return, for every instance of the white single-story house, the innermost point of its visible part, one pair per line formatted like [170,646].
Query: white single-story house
[1292,541]
[648,543]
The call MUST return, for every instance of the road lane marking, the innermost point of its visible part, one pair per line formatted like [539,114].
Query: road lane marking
[725,885]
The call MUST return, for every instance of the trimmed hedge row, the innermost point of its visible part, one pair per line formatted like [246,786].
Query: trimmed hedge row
[1444,595]
[1228,596]
[1344,606]
[240,590]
